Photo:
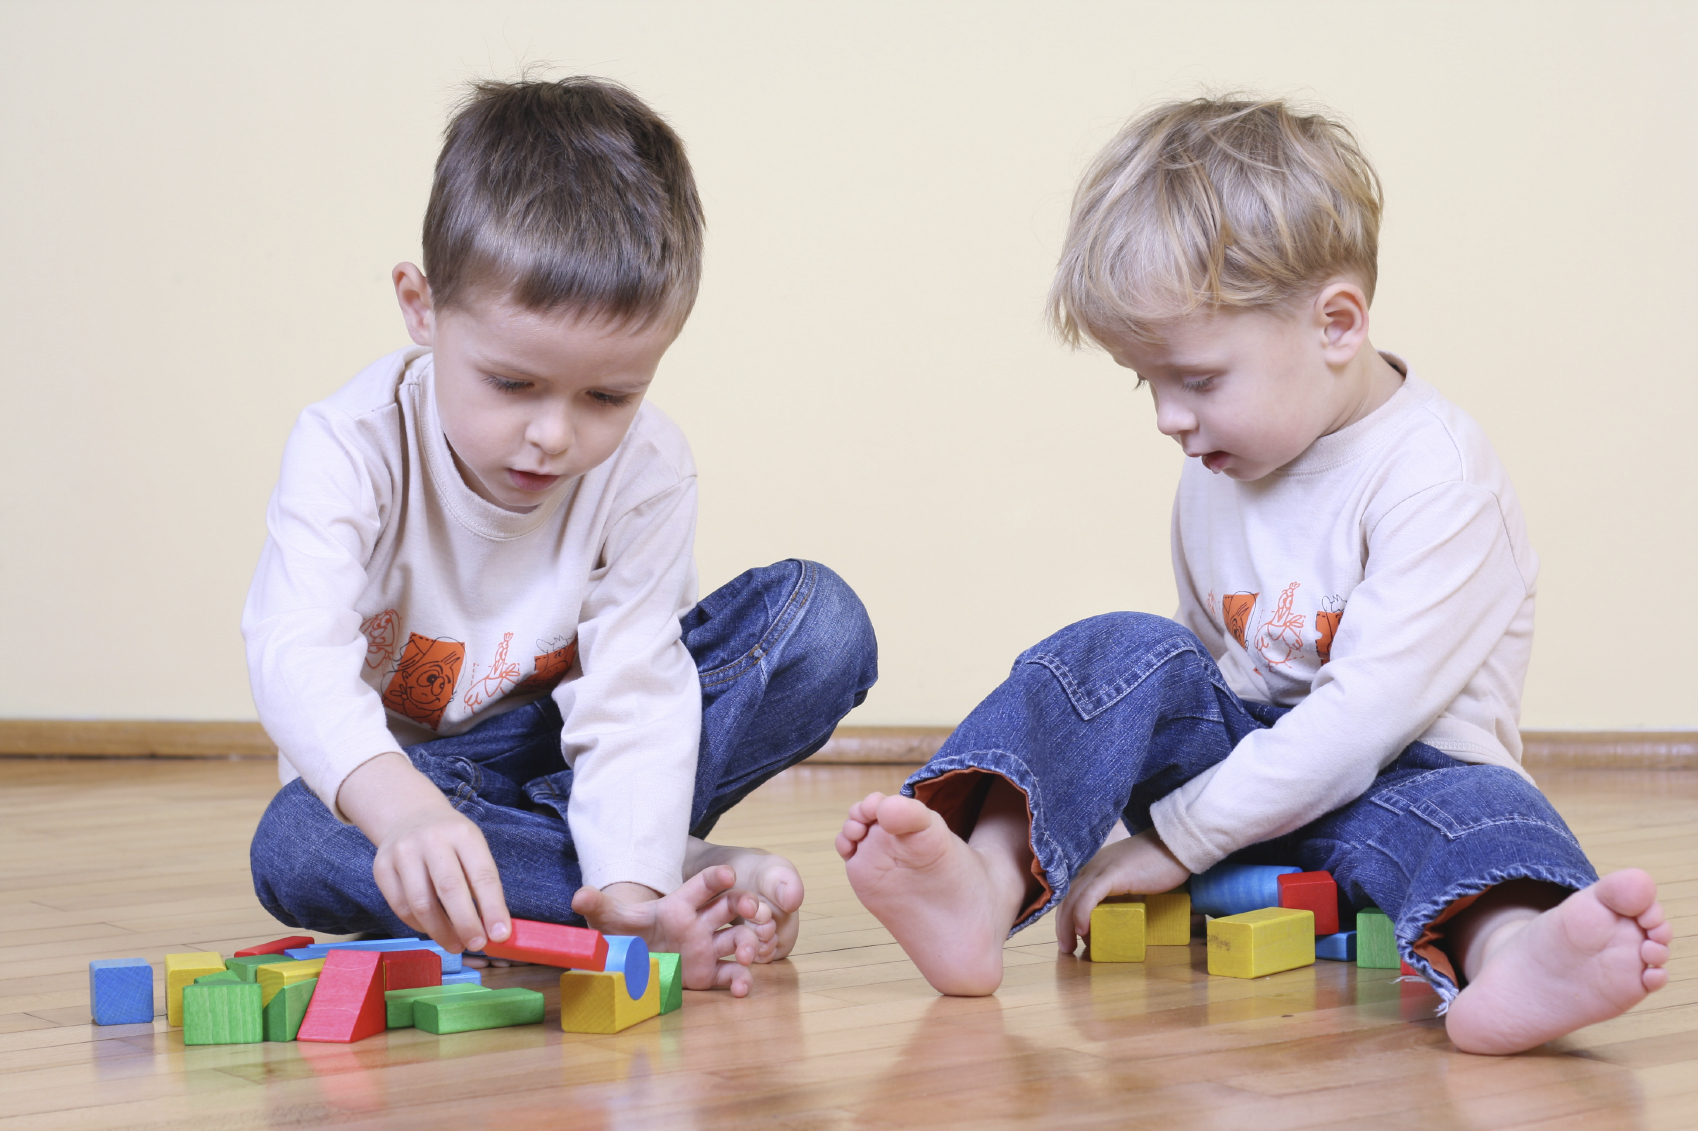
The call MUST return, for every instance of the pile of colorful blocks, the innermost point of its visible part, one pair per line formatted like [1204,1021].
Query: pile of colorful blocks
[295,989]
[1263,919]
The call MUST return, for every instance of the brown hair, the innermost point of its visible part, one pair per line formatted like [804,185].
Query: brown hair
[1214,203]
[564,194]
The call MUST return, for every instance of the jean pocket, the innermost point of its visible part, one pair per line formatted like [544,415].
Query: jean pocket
[1101,675]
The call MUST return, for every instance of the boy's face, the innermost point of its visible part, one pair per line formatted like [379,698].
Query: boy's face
[1247,391]
[529,400]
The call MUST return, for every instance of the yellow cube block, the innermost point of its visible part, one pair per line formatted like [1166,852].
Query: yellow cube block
[1167,918]
[273,976]
[1117,933]
[181,970]
[1263,942]
[595,1002]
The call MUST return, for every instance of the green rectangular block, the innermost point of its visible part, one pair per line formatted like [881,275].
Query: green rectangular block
[224,977]
[283,1013]
[671,980]
[1376,942]
[222,1013]
[400,1002]
[492,1009]
[246,967]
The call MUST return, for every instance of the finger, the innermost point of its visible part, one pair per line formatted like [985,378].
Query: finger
[455,895]
[394,891]
[706,885]
[424,913]
[485,879]
[588,902]
[737,944]
[731,976]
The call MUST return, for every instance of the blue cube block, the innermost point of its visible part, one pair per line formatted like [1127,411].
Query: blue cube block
[1340,947]
[465,974]
[120,991]
[1232,889]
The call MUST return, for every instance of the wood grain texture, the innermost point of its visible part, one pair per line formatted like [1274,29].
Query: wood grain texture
[143,857]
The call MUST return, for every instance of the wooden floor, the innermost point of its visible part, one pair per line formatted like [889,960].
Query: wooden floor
[124,858]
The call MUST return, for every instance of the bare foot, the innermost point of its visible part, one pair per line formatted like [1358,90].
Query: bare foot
[1591,957]
[694,921]
[771,878]
[949,905]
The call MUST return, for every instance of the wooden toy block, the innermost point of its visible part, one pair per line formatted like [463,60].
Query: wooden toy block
[1117,933]
[1312,891]
[1257,943]
[347,1005]
[450,961]
[220,978]
[120,991]
[222,1013]
[275,976]
[548,944]
[1340,947]
[1404,970]
[398,1004]
[1167,918]
[486,1009]
[671,970]
[180,971]
[1232,889]
[629,955]
[247,965]
[409,969]
[1376,941]
[596,1002]
[465,977]
[286,1010]
[275,946]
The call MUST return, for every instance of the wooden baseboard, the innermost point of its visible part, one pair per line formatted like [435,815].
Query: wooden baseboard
[850,746]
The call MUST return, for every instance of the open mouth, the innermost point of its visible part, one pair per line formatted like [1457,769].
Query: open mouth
[526,481]
[1214,461]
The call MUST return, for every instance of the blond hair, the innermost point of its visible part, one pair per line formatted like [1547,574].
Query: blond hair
[1214,203]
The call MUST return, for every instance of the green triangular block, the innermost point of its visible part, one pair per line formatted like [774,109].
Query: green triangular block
[247,967]
[671,980]
[222,1013]
[287,1007]
[1376,941]
[222,978]
[400,1002]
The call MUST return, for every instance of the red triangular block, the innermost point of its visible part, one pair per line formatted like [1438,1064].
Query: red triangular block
[275,946]
[410,969]
[347,1004]
[1312,891]
[548,944]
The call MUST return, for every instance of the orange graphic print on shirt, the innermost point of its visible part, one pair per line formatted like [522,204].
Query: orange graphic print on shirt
[1326,624]
[1235,609]
[552,666]
[423,684]
[1281,638]
[383,635]
[495,682]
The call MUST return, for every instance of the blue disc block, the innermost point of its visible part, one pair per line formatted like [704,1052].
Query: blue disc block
[629,955]
[1340,947]
[120,991]
[1232,889]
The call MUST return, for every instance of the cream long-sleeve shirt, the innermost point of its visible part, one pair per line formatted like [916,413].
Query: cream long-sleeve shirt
[392,605]
[1381,585]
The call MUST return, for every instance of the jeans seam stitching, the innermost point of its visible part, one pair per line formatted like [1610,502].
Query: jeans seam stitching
[726,673]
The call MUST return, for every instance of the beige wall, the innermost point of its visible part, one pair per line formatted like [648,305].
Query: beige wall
[202,202]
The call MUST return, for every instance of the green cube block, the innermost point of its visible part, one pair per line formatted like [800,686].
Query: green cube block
[222,1013]
[671,980]
[283,1013]
[246,967]
[400,1002]
[492,1009]
[223,977]
[1376,941]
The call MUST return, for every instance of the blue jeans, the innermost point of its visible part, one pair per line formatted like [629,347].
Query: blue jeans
[784,652]
[1109,715]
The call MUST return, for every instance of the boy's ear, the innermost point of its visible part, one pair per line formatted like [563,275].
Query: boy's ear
[1341,316]
[412,291]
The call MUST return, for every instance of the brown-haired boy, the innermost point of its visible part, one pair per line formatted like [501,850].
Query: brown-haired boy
[1342,687]
[474,633]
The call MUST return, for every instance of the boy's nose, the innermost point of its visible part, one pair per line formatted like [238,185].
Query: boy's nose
[551,431]
[1171,420]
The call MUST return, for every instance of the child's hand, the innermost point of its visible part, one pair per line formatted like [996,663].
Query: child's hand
[1140,864]
[694,921]
[432,864]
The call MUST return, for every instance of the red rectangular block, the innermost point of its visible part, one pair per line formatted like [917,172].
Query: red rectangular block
[410,969]
[1312,891]
[548,944]
[275,946]
[347,1004]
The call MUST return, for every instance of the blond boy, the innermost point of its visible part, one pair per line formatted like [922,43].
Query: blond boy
[1342,686]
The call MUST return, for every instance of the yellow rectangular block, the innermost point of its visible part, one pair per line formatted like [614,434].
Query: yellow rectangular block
[593,1002]
[1167,918]
[274,976]
[1263,942]
[181,970]
[1117,933]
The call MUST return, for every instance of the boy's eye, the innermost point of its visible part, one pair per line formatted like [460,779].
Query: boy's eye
[1199,384]
[503,385]
[612,400]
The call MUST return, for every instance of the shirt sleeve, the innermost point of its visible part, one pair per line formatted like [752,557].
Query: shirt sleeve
[305,649]
[1440,589]
[632,719]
